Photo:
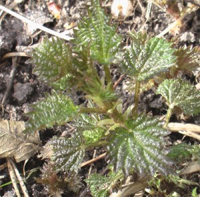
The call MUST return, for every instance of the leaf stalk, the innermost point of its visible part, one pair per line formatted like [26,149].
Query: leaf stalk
[136,98]
[168,115]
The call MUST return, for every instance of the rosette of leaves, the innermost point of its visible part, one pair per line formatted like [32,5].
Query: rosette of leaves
[139,146]
[136,144]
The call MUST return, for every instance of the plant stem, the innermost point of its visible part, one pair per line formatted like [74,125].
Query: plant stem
[136,98]
[168,115]
[117,117]
[97,144]
[108,76]
[92,110]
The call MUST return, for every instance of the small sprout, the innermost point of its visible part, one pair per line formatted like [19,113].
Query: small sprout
[121,8]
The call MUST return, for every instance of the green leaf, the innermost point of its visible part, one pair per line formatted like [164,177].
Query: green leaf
[68,153]
[87,124]
[181,94]
[180,152]
[195,151]
[194,192]
[140,147]
[147,57]
[101,37]
[54,109]
[93,135]
[56,65]
[53,60]
[100,185]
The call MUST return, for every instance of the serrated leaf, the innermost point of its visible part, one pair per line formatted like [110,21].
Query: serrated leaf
[93,135]
[195,151]
[182,94]
[139,147]
[54,109]
[100,185]
[53,60]
[95,32]
[188,59]
[180,152]
[14,143]
[56,65]
[147,57]
[68,153]
[87,124]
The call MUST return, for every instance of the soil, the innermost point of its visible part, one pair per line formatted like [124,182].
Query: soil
[15,36]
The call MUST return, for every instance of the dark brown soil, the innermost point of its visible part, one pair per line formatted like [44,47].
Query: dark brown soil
[15,36]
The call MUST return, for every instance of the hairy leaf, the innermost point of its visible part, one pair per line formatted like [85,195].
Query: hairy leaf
[195,151]
[95,32]
[139,147]
[188,60]
[53,60]
[68,153]
[14,143]
[147,57]
[100,185]
[100,93]
[88,125]
[54,109]
[93,135]
[86,122]
[56,65]
[182,94]
[180,152]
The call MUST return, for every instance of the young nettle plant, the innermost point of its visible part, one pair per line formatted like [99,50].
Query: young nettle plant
[134,141]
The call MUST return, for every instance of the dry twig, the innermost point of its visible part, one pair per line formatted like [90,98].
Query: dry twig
[21,182]
[13,177]
[37,26]
[190,130]
[93,160]
[178,21]
[10,80]
[14,54]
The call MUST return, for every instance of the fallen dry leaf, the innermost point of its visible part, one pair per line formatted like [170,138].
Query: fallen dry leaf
[14,143]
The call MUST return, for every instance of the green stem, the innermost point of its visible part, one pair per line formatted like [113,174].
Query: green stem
[168,115]
[97,144]
[92,110]
[116,116]
[108,76]
[136,98]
